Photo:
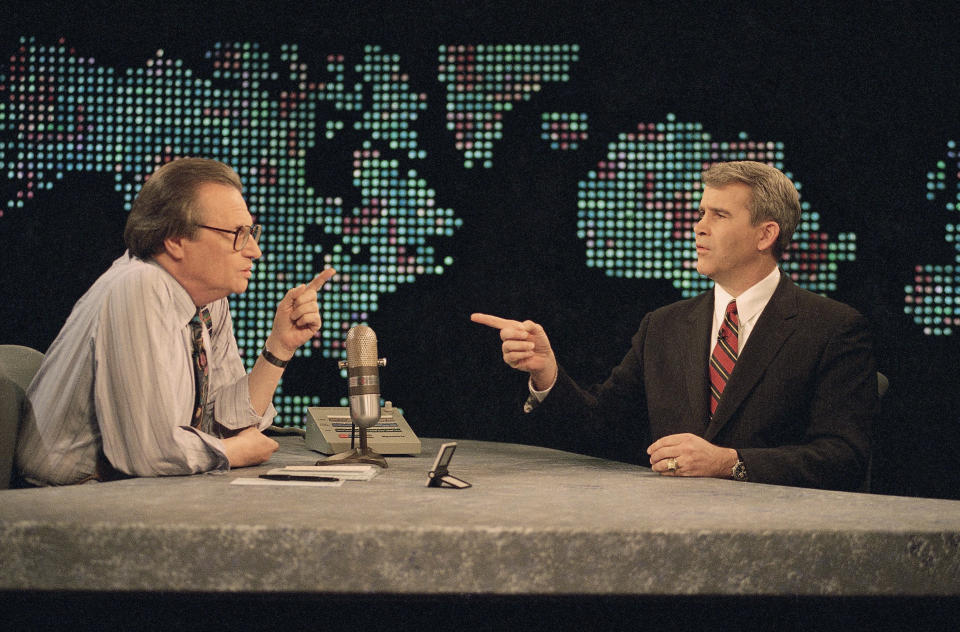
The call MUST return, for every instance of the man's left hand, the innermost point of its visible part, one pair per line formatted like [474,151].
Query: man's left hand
[692,456]
[298,317]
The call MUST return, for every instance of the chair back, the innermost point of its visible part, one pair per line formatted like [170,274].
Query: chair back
[18,365]
[883,383]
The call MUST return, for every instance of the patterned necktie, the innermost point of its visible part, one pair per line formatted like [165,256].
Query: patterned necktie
[724,355]
[201,371]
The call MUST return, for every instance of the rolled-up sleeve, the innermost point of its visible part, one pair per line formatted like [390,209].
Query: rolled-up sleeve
[229,388]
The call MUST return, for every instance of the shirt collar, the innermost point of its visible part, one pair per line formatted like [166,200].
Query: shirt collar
[749,303]
[183,306]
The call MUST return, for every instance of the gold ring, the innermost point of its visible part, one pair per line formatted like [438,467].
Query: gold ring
[672,465]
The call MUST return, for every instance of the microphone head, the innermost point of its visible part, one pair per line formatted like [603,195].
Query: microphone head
[361,346]
[363,376]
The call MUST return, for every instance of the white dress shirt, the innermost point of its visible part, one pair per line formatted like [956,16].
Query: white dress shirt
[119,377]
[750,305]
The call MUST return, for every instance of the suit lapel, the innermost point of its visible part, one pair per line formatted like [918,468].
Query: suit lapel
[775,325]
[693,354]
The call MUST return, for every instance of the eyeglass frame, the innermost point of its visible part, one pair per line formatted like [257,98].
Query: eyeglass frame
[246,231]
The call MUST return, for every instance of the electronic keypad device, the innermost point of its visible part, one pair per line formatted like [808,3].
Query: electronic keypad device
[329,430]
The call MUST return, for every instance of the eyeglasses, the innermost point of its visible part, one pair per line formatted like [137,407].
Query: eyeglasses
[241,235]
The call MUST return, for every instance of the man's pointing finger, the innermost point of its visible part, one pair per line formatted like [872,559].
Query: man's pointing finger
[321,279]
[494,321]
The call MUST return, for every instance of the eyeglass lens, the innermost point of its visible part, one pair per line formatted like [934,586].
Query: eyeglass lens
[243,235]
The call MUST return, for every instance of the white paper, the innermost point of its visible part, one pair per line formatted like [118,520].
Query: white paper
[345,472]
[267,481]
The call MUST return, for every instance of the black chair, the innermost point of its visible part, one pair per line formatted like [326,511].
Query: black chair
[18,365]
[883,383]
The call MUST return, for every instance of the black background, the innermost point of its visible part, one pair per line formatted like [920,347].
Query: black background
[865,100]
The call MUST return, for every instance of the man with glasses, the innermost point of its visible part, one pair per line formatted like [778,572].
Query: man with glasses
[145,378]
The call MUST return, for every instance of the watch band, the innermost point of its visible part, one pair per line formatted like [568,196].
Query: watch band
[272,359]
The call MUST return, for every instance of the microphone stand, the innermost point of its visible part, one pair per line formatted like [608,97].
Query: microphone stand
[362,455]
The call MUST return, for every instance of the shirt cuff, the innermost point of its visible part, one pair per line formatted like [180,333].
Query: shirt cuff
[212,458]
[535,397]
[540,395]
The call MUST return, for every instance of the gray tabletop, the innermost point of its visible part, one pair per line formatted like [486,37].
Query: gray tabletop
[535,522]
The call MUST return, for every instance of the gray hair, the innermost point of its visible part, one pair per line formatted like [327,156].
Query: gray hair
[774,197]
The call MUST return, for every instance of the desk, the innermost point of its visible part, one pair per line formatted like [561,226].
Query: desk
[536,522]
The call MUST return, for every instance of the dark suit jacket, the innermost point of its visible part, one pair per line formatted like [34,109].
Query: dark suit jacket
[798,406]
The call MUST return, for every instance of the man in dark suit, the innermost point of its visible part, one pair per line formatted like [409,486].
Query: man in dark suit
[755,380]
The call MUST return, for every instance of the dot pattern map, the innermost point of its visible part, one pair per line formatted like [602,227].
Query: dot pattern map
[483,82]
[933,300]
[564,131]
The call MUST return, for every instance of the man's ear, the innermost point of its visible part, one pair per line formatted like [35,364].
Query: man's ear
[769,233]
[173,246]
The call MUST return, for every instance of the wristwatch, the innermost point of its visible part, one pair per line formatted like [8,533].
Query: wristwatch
[272,359]
[739,471]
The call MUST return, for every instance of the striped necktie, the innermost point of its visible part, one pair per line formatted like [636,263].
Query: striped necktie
[724,356]
[201,370]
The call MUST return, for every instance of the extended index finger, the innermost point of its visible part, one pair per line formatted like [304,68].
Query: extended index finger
[494,321]
[319,280]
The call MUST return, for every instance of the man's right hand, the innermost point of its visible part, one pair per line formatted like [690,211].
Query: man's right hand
[249,447]
[525,348]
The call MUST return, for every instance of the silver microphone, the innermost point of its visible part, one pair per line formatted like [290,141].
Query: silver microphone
[363,376]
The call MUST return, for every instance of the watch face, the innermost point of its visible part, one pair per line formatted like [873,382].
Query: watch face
[740,471]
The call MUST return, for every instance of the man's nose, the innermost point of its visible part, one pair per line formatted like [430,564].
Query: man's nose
[252,249]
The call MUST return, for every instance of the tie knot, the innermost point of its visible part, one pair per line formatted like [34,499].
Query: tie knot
[732,317]
[202,316]
[732,308]
[200,320]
